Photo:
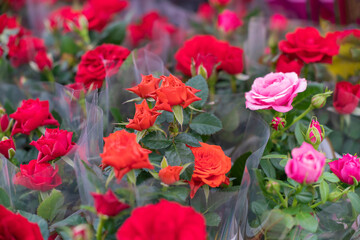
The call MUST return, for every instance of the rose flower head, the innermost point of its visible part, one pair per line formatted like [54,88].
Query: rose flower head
[228,21]
[7,147]
[306,165]
[38,176]
[346,168]
[276,91]
[163,221]
[123,153]
[170,174]
[31,115]
[99,63]
[144,117]
[147,87]
[211,165]
[315,133]
[174,92]
[53,144]
[108,204]
[14,226]
[287,64]
[278,22]
[308,45]
[346,97]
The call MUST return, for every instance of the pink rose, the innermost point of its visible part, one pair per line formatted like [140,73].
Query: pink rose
[306,165]
[346,168]
[275,90]
[278,22]
[315,133]
[228,21]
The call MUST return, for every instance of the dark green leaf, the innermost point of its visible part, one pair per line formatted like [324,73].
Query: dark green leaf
[355,201]
[300,131]
[156,140]
[113,33]
[116,114]
[179,154]
[330,177]
[212,219]
[187,174]
[268,168]
[4,198]
[198,82]
[72,220]
[178,194]
[307,221]
[51,205]
[304,196]
[39,221]
[206,124]
[237,170]
[187,139]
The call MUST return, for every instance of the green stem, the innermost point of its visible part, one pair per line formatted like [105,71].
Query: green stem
[283,202]
[233,83]
[100,227]
[49,75]
[316,204]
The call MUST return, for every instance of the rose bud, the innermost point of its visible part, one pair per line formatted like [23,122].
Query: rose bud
[346,168]
[272,187]
[204,65]
[43,61]
[5,123]
[170,174]
[228,21]
[278,22]
[82,232]
[278,123]
[144,117]
[315,133]
[7,147]
[107,204]
[334,196]
[307,164]
[319,100]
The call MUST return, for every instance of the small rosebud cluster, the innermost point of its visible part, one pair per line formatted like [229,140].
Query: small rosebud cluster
[278,123]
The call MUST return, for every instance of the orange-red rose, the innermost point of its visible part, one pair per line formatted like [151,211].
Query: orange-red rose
[147,87]
[123,153]
[211,165]
[174,92]
[108,204]
[170,174]
[144,117]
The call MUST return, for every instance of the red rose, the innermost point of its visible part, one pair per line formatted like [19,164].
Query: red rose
[163,221]
[31,115]
[170,174]
[43,61]
[144,117]
[198,47]
[288,64]
[6,146]
[38,176]
[65,19]
[108,6]
[206,12]
[107,204]
[211,165]
[97,20]
[123,153]
[78,89]
[103,61]
[24,50]
[147,87]
[4,122]
[55,143]
[7,22]
[346,97]
[16,227]
[144,30]
[174,92]
[308,45]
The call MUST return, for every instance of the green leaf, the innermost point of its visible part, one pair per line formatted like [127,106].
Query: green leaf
[187,173]
[156,140]
[187,139]
[304,196]
[198,82]
[179,154]
[178,113]
[4,198]
[237,169]
[307,221]
[51,205]
[113,33]
[300,133]
[44,229]
[330,177]
[116,114]
[355,201]
[72,220]
[212,219]
[275,156]
[303,99]
[268,168]
[176,194]
[68,45]
[324,191]
[206,124]
[164,163]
